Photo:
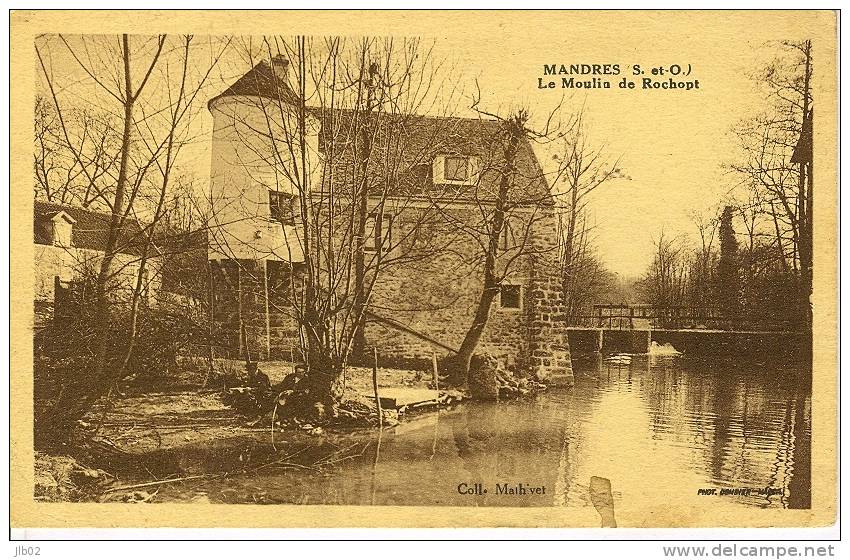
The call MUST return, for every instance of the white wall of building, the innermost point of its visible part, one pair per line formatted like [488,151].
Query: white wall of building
[252,139]
[71,263]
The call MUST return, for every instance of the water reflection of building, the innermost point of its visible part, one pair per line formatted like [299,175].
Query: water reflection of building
[423,461]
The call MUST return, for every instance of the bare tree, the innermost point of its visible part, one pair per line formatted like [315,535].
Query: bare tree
[583,169]
[665,283]
[162,146]
[136,79]
[76,154]
[509,214]
[590,280]
[328,139]
[701,277]
[776,162]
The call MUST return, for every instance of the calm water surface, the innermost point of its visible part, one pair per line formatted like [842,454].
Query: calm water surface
[658,427]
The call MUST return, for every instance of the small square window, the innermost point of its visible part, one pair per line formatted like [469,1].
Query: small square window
[456,168]
[280,207]
[510,296]
[279,284]
[379,233]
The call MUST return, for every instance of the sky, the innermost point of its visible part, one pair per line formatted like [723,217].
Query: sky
[672,144]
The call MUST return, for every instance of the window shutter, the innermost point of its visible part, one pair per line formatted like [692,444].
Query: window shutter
[474,169]
[439,167]
[387,233]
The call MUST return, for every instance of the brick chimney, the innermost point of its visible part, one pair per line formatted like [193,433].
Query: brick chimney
[280,67]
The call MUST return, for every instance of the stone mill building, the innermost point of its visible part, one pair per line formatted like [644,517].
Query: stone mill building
[432,183]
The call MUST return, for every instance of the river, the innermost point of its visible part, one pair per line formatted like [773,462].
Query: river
[661,428]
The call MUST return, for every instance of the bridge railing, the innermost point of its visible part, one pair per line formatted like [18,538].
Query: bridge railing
[638,316]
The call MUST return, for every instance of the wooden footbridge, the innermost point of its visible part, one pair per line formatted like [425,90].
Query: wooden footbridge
[694,330]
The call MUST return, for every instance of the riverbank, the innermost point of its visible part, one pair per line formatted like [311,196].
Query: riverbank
[151,432]
[623,416]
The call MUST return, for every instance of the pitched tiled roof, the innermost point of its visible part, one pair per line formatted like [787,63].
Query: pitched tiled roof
[90,229]
[408,145]
[259,81]
[415,139]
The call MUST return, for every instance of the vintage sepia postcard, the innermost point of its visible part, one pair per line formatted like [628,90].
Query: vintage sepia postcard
[424,269]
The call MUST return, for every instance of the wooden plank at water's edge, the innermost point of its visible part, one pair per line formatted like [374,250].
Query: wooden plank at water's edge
[396,397]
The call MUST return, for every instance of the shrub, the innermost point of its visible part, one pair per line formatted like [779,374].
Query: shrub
[65,352]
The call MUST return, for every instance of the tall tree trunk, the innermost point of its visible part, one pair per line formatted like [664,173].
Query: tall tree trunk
[359,300]
[323,373]
[166,175]
[491,286]
[809,268]
[804,201]
[143,260]
[569,250]
[210,321]
[102,309]
[134,312]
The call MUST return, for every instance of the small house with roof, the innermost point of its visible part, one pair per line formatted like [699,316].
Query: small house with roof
[69,243]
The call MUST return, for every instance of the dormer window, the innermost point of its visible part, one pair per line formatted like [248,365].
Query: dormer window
[455,170]
[61,226]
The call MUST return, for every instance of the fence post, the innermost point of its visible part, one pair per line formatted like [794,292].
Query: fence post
[436,372]
[211,321]
[375,387]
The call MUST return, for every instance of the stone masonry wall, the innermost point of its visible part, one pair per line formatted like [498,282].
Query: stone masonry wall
[437,297]
[434,295]
[549,346]
[269,333]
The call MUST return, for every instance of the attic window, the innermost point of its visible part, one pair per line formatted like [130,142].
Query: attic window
[61,226]
[510,296]
[454,170]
